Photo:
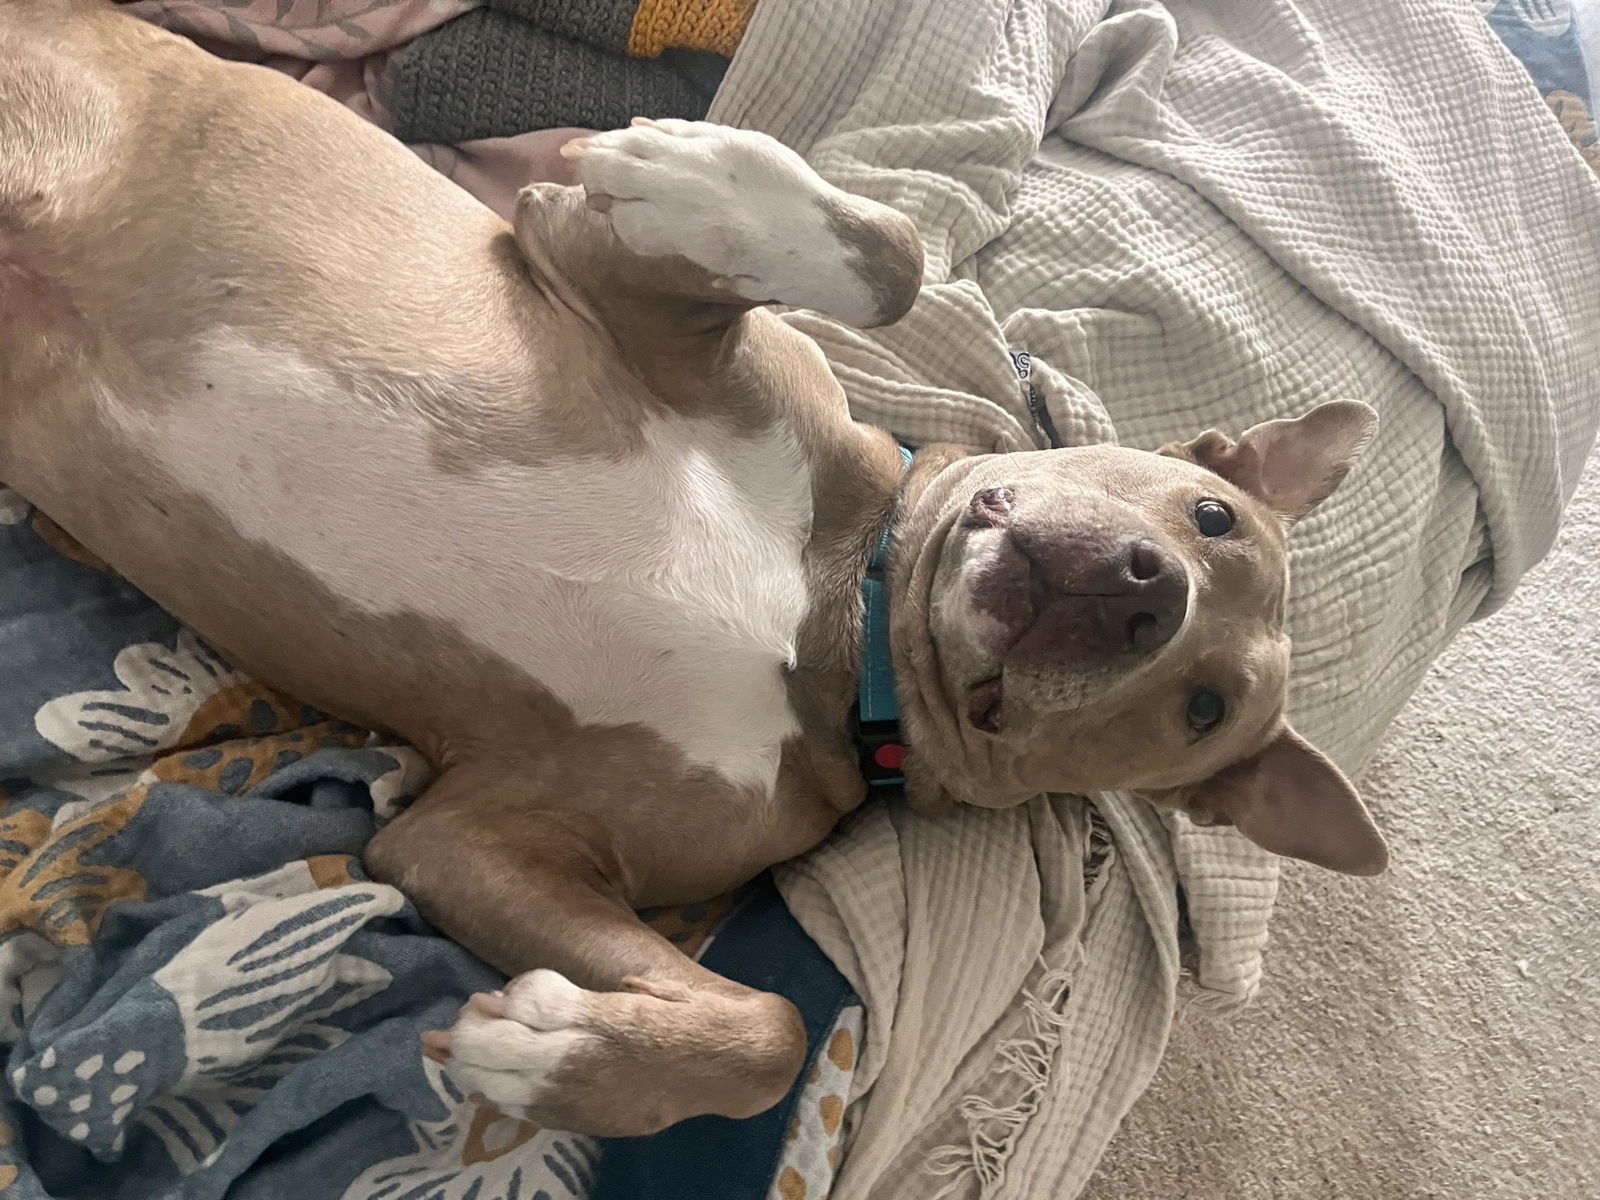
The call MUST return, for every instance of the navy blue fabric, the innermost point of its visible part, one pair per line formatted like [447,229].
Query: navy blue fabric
[714,1158]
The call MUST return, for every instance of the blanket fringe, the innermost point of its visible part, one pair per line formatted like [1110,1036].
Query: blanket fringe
[993,1129]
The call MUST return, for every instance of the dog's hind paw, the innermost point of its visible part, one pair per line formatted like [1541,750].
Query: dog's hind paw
[508,1046]
[620,1064]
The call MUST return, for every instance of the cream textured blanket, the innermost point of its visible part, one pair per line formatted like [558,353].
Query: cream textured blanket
[1188,214]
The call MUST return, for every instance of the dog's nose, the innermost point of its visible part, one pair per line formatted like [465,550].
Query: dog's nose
[1108,596]
[1146,597]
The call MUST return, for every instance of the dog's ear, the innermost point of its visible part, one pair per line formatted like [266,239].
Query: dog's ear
[1291,465]
[1290,799]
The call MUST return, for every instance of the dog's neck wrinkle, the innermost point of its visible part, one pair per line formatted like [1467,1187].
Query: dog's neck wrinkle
[854,509]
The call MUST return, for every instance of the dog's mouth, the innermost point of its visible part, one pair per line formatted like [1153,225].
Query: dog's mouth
[1007,593]
[1001,592]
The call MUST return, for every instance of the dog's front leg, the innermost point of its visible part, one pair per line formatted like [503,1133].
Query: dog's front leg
[615,1032]
[759,224]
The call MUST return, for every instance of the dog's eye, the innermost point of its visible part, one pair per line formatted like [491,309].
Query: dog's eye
[1212,519]
[1205,711]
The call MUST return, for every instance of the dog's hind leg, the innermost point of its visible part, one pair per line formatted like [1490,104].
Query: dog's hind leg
[615,1032]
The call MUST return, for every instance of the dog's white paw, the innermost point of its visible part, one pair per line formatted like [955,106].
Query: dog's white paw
[738,204]
[508,1047]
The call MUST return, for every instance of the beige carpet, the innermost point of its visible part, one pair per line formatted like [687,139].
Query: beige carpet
[1436,1032]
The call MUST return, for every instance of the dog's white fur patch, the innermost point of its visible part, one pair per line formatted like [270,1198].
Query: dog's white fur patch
[664,588]
[740,204]
[512,1060]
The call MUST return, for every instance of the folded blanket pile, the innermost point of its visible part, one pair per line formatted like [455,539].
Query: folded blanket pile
[518,65]
[486,92]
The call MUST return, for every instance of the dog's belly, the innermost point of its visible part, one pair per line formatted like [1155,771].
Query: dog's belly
[661,587]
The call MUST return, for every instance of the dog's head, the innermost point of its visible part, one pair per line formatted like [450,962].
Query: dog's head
[1102,618]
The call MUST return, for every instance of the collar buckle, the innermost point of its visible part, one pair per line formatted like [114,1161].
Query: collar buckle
[881,752]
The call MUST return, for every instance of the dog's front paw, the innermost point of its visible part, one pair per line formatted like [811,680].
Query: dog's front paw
[690,189]
[738,204]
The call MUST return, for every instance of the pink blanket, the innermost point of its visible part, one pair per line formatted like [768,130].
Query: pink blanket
[344,48]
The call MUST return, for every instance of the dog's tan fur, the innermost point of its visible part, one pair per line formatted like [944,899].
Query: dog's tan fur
[162,235]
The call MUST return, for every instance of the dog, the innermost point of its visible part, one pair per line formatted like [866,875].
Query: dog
[563,504]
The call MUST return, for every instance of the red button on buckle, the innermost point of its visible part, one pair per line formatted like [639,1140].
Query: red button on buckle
[890,756]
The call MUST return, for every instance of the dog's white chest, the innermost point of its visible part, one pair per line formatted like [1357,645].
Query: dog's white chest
[664,588]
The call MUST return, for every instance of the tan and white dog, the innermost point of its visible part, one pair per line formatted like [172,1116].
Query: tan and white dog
[561,504]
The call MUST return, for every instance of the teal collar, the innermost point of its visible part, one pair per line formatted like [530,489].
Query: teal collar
[877,711]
